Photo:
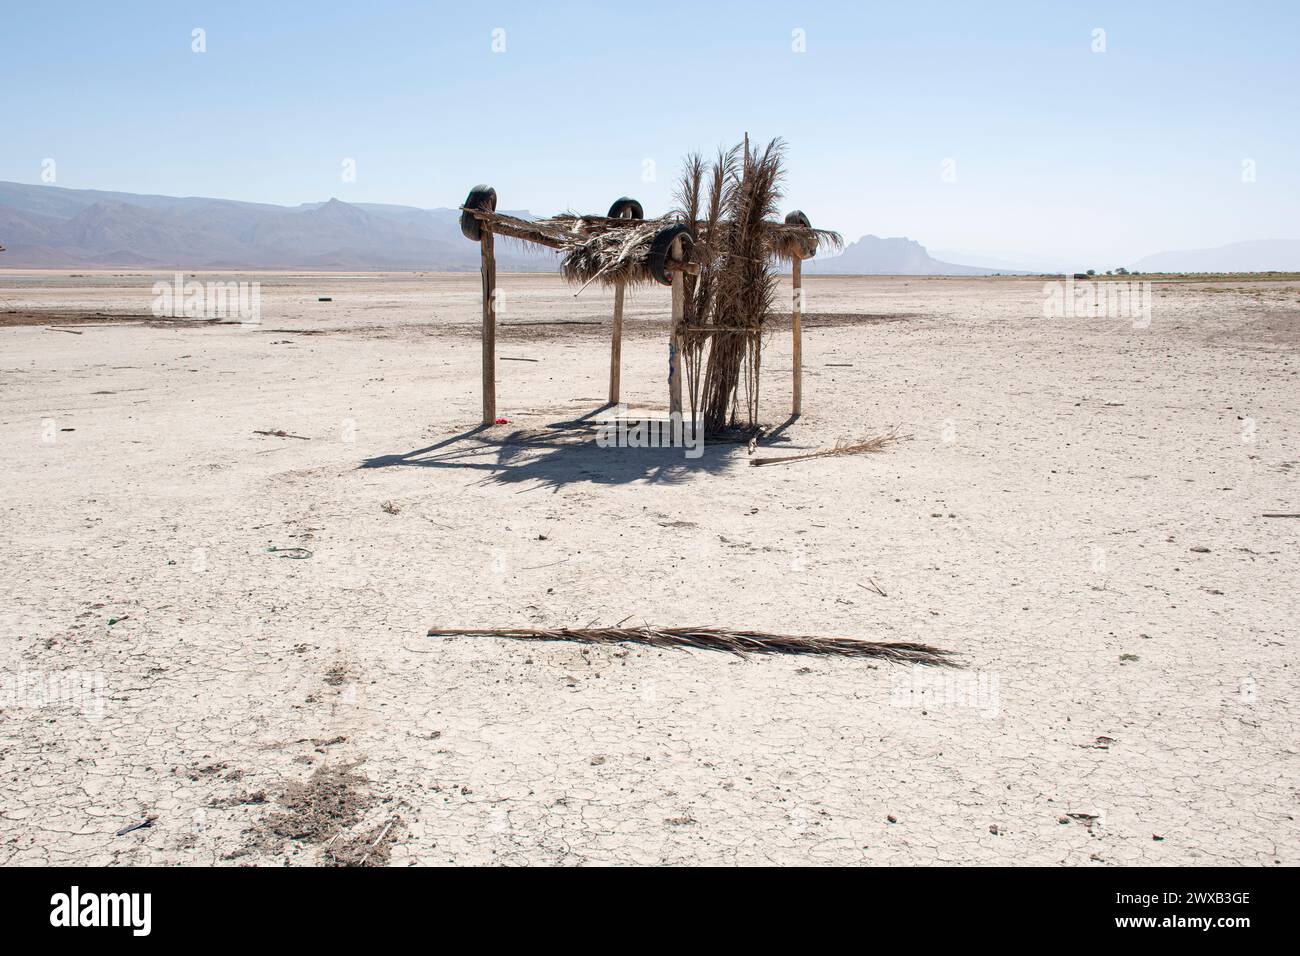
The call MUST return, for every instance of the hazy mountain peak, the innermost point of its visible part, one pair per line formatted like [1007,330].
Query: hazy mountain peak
[897,255]
[1254,255]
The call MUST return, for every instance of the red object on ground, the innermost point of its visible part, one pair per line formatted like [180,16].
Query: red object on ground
[503,421]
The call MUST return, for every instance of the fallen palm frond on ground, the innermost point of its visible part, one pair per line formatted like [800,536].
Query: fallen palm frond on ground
[862,447]
[717,639]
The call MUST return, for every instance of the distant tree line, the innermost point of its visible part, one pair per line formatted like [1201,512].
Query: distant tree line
[1121,271]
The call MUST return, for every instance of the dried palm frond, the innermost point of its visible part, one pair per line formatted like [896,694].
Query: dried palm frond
[719,639]
[689,190]
[689,195]
[740,282]
[789,242]
[864,446]
[592,247]
[618,253]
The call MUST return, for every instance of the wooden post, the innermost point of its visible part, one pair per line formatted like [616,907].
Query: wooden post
[489,325]
[797,280]
[616,346]
[675,344]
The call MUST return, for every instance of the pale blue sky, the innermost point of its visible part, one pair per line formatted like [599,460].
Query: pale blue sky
[1059,151]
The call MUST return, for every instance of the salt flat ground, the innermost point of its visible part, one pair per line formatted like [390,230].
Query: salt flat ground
[1077,512]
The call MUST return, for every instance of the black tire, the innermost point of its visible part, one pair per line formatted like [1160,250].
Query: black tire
[626,208]
[797,218]
[663,241]
[480,197]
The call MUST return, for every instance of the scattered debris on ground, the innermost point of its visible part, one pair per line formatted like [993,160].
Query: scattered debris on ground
[369,848]
[255,798]
[146,822]
[279,433]
[295,553]
[339,673]
[316,810]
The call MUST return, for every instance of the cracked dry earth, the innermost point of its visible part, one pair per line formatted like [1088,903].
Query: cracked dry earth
[1077,513]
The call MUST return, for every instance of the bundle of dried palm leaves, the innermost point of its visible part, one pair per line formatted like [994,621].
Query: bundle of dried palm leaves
[592,247]
[719,639]
[609,250]
[732,203]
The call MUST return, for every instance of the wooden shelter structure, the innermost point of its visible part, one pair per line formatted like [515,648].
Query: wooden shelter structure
[716,252]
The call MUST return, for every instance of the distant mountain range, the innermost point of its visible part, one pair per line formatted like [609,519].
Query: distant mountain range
[48,226]
[53,227]
[1257,255]
[872,255]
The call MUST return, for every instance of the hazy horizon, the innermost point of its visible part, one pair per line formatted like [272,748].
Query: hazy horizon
[1014,131]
